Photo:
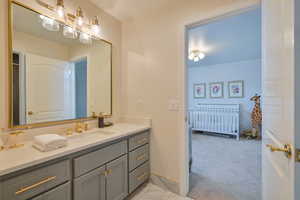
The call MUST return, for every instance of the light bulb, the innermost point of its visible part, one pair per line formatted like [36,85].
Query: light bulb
[201,55]
[191,56]
[79,17]
[79,21]
[85,38]
[95,29]
[60,11]
[69,32]
[196,59]
[95,26]
[49,24]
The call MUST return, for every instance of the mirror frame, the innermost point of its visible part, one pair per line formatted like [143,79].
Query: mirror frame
[10,75]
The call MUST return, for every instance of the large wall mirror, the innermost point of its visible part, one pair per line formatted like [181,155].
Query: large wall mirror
[55,76]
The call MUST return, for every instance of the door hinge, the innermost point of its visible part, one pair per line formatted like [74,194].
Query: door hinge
[297,155]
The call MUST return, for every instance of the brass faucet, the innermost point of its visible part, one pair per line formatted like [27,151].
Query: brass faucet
[80,127]
[16,144]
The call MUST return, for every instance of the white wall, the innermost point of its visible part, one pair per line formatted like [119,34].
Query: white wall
[248,71]
[153,74]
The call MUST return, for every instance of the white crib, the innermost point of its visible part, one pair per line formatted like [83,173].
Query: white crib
[217,118]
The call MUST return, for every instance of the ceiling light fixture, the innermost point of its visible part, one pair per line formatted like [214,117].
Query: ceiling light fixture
[196,55]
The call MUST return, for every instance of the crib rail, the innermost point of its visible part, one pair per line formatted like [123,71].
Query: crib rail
[218,118]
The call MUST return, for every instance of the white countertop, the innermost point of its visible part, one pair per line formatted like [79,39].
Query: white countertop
[16,159]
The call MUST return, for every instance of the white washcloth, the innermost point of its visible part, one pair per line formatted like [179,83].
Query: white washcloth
[49,142]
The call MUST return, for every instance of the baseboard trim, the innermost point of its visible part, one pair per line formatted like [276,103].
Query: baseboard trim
[165,183]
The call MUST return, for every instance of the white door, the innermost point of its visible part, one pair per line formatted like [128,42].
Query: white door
[49,89]
[279,103]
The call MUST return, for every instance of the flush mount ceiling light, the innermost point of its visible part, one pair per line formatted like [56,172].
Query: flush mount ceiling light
[72,24]
[196,55]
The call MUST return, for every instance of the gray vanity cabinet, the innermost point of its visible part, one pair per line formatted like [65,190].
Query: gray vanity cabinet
[91,186]
[62,192]
[109,171]
[108,182]
[117,179]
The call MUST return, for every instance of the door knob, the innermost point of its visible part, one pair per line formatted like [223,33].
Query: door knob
[30,113]
[287,150]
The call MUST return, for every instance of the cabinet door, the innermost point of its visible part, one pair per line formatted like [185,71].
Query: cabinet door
[117,179]
[62,192]
[90,186]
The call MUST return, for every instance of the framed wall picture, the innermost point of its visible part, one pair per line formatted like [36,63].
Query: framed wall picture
[236,89]
[216,90]
[200,91]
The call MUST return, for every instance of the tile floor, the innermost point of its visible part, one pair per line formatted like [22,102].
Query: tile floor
[153,192]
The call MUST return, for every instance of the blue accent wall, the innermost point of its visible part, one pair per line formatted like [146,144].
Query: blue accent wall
[81,88]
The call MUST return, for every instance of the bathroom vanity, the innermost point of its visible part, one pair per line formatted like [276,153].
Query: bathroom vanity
[106,164]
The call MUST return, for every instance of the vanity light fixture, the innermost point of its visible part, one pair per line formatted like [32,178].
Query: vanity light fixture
[196,55]
[60,8]
[72,24]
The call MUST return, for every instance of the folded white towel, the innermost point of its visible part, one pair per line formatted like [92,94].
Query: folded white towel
[49,142]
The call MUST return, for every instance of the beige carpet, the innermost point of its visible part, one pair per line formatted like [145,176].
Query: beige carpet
[225,169]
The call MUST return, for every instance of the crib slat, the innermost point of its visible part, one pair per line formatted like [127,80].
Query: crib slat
[216,118]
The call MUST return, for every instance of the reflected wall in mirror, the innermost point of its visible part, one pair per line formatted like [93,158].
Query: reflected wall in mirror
[56,75]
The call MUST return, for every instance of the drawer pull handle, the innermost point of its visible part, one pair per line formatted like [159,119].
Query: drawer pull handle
[142,141]
[106,172]
[141,157]
[25,189]
[141,177]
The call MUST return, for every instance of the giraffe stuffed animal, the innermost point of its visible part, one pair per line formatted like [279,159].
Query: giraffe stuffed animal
[256,116]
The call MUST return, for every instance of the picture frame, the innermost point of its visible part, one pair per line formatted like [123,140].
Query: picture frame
[216,90]
[199,91]
[236,89]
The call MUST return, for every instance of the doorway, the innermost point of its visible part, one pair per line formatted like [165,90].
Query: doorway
[224,88]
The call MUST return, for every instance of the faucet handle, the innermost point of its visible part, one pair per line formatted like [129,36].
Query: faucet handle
[86,126]
[69,131]
[16,133]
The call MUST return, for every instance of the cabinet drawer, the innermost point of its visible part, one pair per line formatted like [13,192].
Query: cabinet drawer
[138,140]
[139,176]
[93,160]
[138,157]
[62,192]
[37,181]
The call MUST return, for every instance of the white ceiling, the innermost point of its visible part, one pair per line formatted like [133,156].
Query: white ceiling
[127,9]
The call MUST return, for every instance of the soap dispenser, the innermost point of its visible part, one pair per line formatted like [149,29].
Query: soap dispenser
[101,120]
[1,145]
